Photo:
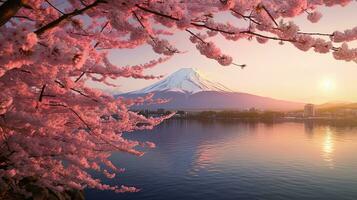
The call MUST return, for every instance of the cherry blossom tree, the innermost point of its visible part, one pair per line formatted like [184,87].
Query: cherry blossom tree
[56,128]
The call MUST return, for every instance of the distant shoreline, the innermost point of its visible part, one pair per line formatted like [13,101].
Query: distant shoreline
[315,121]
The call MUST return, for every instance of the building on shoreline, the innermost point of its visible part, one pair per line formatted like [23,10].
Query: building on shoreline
[309,110]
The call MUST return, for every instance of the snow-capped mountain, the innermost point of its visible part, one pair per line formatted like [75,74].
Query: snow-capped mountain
[185,80]
[187,89]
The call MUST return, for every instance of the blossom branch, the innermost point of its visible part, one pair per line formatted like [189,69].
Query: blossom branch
[269,14]
[55,7]
[76,90]
[64,17]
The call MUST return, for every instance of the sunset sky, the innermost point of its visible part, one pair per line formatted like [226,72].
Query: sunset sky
[278,71]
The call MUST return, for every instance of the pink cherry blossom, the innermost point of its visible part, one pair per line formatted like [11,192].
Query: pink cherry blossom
[345,53]
[56,127]
[314,17]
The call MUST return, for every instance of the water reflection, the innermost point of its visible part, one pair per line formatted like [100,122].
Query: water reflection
[203,158]
[309,127]
[214,160]
[328,148]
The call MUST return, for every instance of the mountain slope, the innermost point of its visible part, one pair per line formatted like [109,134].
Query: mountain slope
[188,90]
[185,80]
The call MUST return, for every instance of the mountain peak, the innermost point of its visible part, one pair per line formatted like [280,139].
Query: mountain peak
[185,80]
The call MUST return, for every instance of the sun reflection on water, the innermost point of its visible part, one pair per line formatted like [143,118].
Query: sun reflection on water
[203,158]
[328,148]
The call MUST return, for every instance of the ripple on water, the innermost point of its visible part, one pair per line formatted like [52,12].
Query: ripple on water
[197,160]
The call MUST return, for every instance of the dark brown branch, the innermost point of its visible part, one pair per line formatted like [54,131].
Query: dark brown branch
[177,19]
[279,39]
[250,18]
[67,16]
[138,19]
[196,36]
[9,9]
[105,25]
[80,118]
[95,46]
[204,42]
[203,25]
[83,3]
[238,65]
[151,37]
[213,28]
[41,94]
[73,111]
[141,23]
[318,34]
[77,91]
[267,37]
[84,122]
[83,94]
[157,13]
[80,76]
[101,30]
[246,17]
[271,16]
[54,7]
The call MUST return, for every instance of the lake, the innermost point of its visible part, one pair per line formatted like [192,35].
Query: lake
[213,160]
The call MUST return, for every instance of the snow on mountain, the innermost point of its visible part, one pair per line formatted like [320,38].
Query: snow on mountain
[185,80]
[187,89]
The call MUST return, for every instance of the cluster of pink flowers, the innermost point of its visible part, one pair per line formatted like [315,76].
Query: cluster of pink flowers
[50,116]
[346,53]
[314,17]
[210,50]
[346,36]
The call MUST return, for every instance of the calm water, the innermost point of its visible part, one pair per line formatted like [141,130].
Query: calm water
[228,160]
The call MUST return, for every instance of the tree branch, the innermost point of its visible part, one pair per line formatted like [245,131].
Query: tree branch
[151,37]
[245,17]
[271,16]
[318,34]
[54,7]
[101,30]
[267,37]
[194,35]
[64,17]
[41,94]
[77,91]
[250,18]
[204,42]
[73,111]
[9,9]
[157,13]
[80,76]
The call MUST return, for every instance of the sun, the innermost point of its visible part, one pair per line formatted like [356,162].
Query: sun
[328,85]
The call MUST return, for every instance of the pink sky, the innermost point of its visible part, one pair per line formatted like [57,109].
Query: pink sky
[278,71]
